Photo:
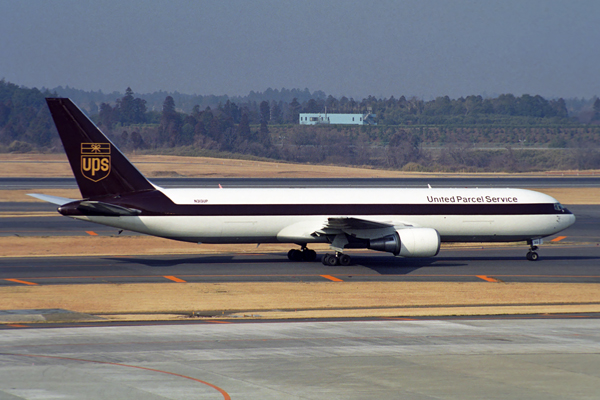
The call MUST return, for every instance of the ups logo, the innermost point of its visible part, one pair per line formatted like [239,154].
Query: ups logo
[95,160]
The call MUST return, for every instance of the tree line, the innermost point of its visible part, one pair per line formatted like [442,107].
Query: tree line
[225,129]
[269,129]
[25,122]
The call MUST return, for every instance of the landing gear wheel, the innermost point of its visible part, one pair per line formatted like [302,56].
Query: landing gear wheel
[333,260]
[344,259]
[302,255]
[309,255]
[330,259]
[295,255]
[532,256]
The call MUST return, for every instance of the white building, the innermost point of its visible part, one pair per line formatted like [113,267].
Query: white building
[346,119]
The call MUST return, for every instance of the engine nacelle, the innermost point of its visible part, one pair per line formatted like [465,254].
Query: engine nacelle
[410,242]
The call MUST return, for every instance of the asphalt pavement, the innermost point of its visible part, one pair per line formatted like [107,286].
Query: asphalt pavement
[556,358]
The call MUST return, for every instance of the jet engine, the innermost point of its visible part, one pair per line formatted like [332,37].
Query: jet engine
[410,242]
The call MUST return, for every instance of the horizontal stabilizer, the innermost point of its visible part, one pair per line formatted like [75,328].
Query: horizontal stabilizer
[105,209]
[52,199]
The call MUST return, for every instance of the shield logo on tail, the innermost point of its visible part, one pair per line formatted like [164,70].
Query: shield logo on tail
[95,161]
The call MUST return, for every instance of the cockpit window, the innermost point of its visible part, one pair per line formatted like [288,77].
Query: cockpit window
[558,207]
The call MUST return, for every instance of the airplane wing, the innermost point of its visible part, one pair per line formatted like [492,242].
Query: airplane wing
[343,230]
[342,223]
[339,226]
[52,199]
[356,227]
[334,227]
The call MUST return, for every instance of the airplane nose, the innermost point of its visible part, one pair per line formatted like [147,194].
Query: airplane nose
[568,219]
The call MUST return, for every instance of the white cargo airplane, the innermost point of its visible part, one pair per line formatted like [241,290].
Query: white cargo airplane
[404,222]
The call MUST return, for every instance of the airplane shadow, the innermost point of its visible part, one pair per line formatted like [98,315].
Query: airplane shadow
[384,265]
[400,266]
[225,259]
[404,266]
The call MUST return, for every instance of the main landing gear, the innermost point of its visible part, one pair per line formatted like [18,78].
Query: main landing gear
[304,254]
[532,255]
[337,259]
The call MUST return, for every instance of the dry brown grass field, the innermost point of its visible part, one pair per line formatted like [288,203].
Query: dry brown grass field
[305,300]
[56,165]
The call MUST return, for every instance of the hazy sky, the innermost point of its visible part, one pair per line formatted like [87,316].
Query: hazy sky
[425,48]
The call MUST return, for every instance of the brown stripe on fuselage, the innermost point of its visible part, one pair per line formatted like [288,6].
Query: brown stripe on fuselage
[155,203]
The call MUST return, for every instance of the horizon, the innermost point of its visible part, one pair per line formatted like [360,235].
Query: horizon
[137,94]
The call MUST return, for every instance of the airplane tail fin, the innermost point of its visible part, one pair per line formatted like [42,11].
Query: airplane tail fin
[99,167]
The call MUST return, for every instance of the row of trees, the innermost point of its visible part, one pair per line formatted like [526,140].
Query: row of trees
[443,110]
[227,129]
[472,110]
[258,129]
[185,102]
[24,118]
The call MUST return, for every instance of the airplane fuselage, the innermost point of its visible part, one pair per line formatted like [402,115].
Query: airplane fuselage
[293,215]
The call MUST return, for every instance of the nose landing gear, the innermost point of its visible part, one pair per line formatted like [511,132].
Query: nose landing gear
[532,255]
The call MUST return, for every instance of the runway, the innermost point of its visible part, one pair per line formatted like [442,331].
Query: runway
[514,358]
[575,264]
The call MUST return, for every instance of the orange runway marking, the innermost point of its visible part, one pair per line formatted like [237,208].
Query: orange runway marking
[17,325]
[175,279]
[220,322]
[91,233]
[500,276]
[20,281]
[487,278]
[218,389]
[332,278]
[558,238]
